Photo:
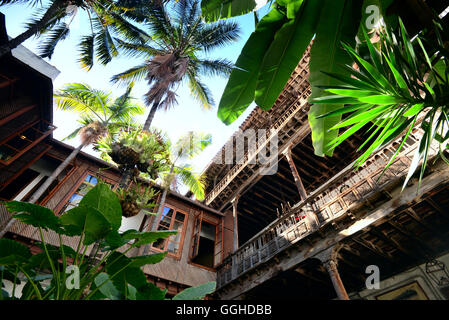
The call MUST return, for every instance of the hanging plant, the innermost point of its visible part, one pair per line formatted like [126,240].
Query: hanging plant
[136,198]
[136,151]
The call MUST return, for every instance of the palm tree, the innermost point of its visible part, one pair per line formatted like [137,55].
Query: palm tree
[174,54]
[185,148]
[107,18]
[100,116]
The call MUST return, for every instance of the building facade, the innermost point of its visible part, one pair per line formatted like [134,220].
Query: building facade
[312,227]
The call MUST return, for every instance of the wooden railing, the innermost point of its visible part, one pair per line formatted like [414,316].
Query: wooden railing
[329,202]
[275,129]
[249,157]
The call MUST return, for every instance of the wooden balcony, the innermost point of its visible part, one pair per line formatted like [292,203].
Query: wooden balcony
[324,206]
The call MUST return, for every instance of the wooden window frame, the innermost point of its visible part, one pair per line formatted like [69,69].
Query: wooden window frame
[72,191]
[217,225]
[183,232]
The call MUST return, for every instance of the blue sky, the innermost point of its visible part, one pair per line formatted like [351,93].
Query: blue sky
[186,116]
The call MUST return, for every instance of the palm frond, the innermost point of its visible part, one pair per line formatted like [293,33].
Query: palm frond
[104,43]
[137,50]
[87,52]
[217,35]
[57,33]
[217,67]
[200,92]
[190,145]
[196,183]
[133,74]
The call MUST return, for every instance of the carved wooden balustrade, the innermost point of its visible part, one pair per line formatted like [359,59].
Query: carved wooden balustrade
[330,201]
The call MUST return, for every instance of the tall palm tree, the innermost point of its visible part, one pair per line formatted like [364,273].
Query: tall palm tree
[186,148]
[107,19]
[174,54]
[100,115]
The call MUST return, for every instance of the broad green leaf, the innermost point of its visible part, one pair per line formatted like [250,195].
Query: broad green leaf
[292,7]
[149,237]
[13,252]
[103,199]
[213,10]
[288,47]
[240,89]
[150,292]
[86,220]
[121,273]
[8,275]
[106,287]
[339,22]
[148,259]
[34,215]
[196,293]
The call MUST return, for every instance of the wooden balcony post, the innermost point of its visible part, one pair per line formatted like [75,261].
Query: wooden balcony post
[329,259]
[297,178]
[235,219]
[310,213]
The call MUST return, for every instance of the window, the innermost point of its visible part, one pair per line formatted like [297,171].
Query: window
[88,183]
[171,219]
[207,243]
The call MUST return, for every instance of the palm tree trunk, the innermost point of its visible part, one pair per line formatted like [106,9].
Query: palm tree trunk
[150,117]
[14,43]
[46,184]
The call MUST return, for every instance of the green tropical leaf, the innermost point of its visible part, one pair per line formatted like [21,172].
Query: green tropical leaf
[339,22]
[213,10]
[196,293]
[240,89]
[106,287]
[13,252]
[150,292]
[148,237]
[121,273]
[286,50]
[148,259]
[87,220]
[103,199]
[33,214]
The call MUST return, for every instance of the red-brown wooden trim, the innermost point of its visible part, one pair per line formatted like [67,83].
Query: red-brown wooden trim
[44,135]
[17,113]
[18,173]
[184,227]
[58,186]
[191,248]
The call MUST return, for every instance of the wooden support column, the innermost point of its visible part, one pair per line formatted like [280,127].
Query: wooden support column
[297,178]
[329,259]
[235,219]
[310,213]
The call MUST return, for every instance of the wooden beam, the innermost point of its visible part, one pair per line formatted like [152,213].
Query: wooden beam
[235,219]
[297,178]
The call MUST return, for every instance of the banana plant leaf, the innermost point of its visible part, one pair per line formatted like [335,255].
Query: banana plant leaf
[339,22]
